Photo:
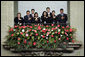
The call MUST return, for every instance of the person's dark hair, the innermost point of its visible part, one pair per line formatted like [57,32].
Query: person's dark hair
[61,9]
[47,8]
[19,13]
[27,11]
[32,9]
[43,13]
[36,13]
[53,11]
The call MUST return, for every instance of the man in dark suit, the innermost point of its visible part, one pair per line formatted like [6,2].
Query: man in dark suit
[62,18]
[28,18]
[32,12]
[49,15]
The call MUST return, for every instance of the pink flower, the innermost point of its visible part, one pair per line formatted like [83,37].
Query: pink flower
[23,27]
[18,38]
[39,28]
[54,41]
[25,41]
[52,24]
[64,42]
[67,38]
[72,41]
[12,34]
[48,29]
[26,34]
[63,27]
[11,29]
[47,34]
[47,26]
[30,26]
[47,41]
[66,30]
[43,36]
[58,25]
[20,27]
[65,33]
[71,36]
[27,26]
[58,32]
[18,43]
[21,33]
[55,27]
[30,29]
[59,39]
[44,31]
[35,25]
[42,25]
[70,30]
[52,36]
[36,34]
[34,43]
[67,26]
[15,26]
[34,30]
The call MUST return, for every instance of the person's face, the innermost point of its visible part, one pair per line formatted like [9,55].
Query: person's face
[48,10]
[36,15]
[18,15]
[33,11]
[53,13]
[44,13]
[28,13]
[61,11]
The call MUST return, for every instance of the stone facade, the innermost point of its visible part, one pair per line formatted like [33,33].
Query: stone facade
[7,17]
[76,21]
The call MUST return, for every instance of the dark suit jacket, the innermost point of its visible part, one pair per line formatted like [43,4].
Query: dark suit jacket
[54,19]
[49,20]
[62,21]
[16,20]
[43,19]
[38,21]
[26,21]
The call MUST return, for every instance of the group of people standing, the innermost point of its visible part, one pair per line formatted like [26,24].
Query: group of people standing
[46,18]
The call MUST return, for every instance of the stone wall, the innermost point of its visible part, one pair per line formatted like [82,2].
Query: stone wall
[77,18]
[7,17]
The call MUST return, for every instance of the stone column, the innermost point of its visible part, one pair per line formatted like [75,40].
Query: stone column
[77,20]
[7,18]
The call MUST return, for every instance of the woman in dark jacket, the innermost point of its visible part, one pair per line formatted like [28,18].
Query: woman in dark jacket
[18,20]
[44,17]
[36,19]
[54,18]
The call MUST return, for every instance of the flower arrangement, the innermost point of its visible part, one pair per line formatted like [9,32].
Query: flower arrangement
[39,36]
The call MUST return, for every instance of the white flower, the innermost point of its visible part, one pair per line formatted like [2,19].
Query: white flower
[61,35]
[51,30]
[27,31]
[59,30]
[46,37]
[41,35]
[43,28]
[23,30]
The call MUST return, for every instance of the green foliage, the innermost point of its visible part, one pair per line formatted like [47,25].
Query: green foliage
[17,36]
